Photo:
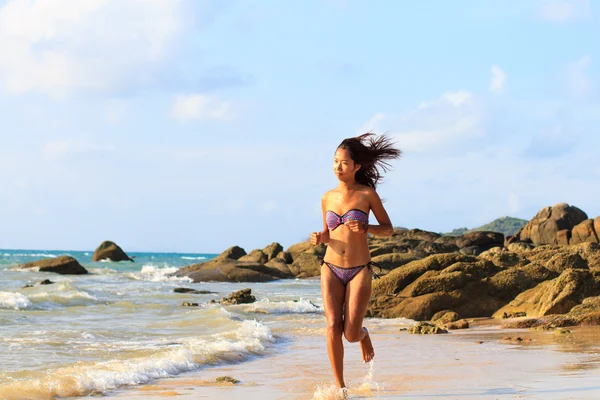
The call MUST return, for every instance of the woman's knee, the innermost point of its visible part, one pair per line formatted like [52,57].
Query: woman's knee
[353,334]
[335,327]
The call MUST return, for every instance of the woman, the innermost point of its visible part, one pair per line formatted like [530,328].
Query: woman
[346,269]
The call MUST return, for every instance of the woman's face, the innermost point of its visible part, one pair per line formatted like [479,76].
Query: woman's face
[343,166]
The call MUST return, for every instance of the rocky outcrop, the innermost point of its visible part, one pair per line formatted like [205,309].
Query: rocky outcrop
[585,232]
[556,296]
[545,280]
[546,224]
[234,265]
[64,265]
[424,328]
[110,251]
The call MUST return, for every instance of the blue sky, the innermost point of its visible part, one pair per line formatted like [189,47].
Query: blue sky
[189,125]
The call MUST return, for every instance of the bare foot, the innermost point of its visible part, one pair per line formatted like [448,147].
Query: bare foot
[367,347]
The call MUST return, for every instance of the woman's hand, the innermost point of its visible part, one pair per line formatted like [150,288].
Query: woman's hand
[315,238]
[356,226]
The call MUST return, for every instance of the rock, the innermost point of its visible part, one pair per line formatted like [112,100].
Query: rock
[110,251]
[460,324]
[44,282]
[563,261]
[277,267]
[187,304]
[255,256]
[484,240]
[191,291]
[513,315]
[509,283]
[556,296]
[584,232]
[563,237]
[272,250]
[544,323]
[306,265]
[285,256]
[393,260]
[589,305]
[518,339]
[435,281]
[226,267]
[64,265]
[227,379]
[243,296]
[543,228]
[518,247]
[425,328]
[504,258]
[444,317]
[559,332]
[232,253]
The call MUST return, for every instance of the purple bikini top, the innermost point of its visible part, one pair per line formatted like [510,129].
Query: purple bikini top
[334,220]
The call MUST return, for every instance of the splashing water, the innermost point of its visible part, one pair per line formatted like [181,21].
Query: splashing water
[368,385]
[330,392]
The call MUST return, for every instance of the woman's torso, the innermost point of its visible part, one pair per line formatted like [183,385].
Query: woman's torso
[347,249]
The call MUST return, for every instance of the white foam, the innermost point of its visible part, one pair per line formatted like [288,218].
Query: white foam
[153,273]
[35,255]
[13,301]
[284,307]
[193,258]
[329,392]
[103,271]
[246,339]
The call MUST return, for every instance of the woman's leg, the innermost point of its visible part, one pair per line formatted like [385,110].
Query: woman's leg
[333,291]
[358,295]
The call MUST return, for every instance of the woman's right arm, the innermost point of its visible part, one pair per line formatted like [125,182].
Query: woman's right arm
[317,238]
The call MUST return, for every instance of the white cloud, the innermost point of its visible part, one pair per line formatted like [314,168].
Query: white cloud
[197,106]
[498,82]
[561,11]
[578,82]
[60,46]
[433,125]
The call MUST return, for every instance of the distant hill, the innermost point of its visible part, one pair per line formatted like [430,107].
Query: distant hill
[506,225]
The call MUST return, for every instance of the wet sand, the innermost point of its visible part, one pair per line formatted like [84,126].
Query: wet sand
[468,364]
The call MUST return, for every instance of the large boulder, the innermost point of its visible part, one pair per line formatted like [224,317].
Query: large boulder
[543,228]
[110,251]
[272,250]
[584,232]
[482,240]
[556,296]
[64,265]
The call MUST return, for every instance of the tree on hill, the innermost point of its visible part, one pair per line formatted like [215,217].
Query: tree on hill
[506,225]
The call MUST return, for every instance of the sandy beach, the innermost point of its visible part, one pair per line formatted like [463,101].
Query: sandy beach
[469,364]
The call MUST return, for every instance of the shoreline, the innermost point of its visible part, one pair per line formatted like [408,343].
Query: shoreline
[472,363]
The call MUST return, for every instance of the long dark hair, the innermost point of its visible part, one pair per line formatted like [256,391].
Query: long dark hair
[371,152]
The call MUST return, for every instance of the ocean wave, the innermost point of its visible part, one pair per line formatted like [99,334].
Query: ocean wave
[153,273]
[62,294]
[103,271]
[249,338]
[193,258]
[35,255]
[13,301]
[283,307]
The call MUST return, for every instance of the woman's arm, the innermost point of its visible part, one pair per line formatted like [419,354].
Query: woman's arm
[385,227]
[317,238]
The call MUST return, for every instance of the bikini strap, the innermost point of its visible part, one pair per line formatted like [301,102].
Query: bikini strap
[375,274]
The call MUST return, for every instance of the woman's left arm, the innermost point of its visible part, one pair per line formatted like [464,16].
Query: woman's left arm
[385,227]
